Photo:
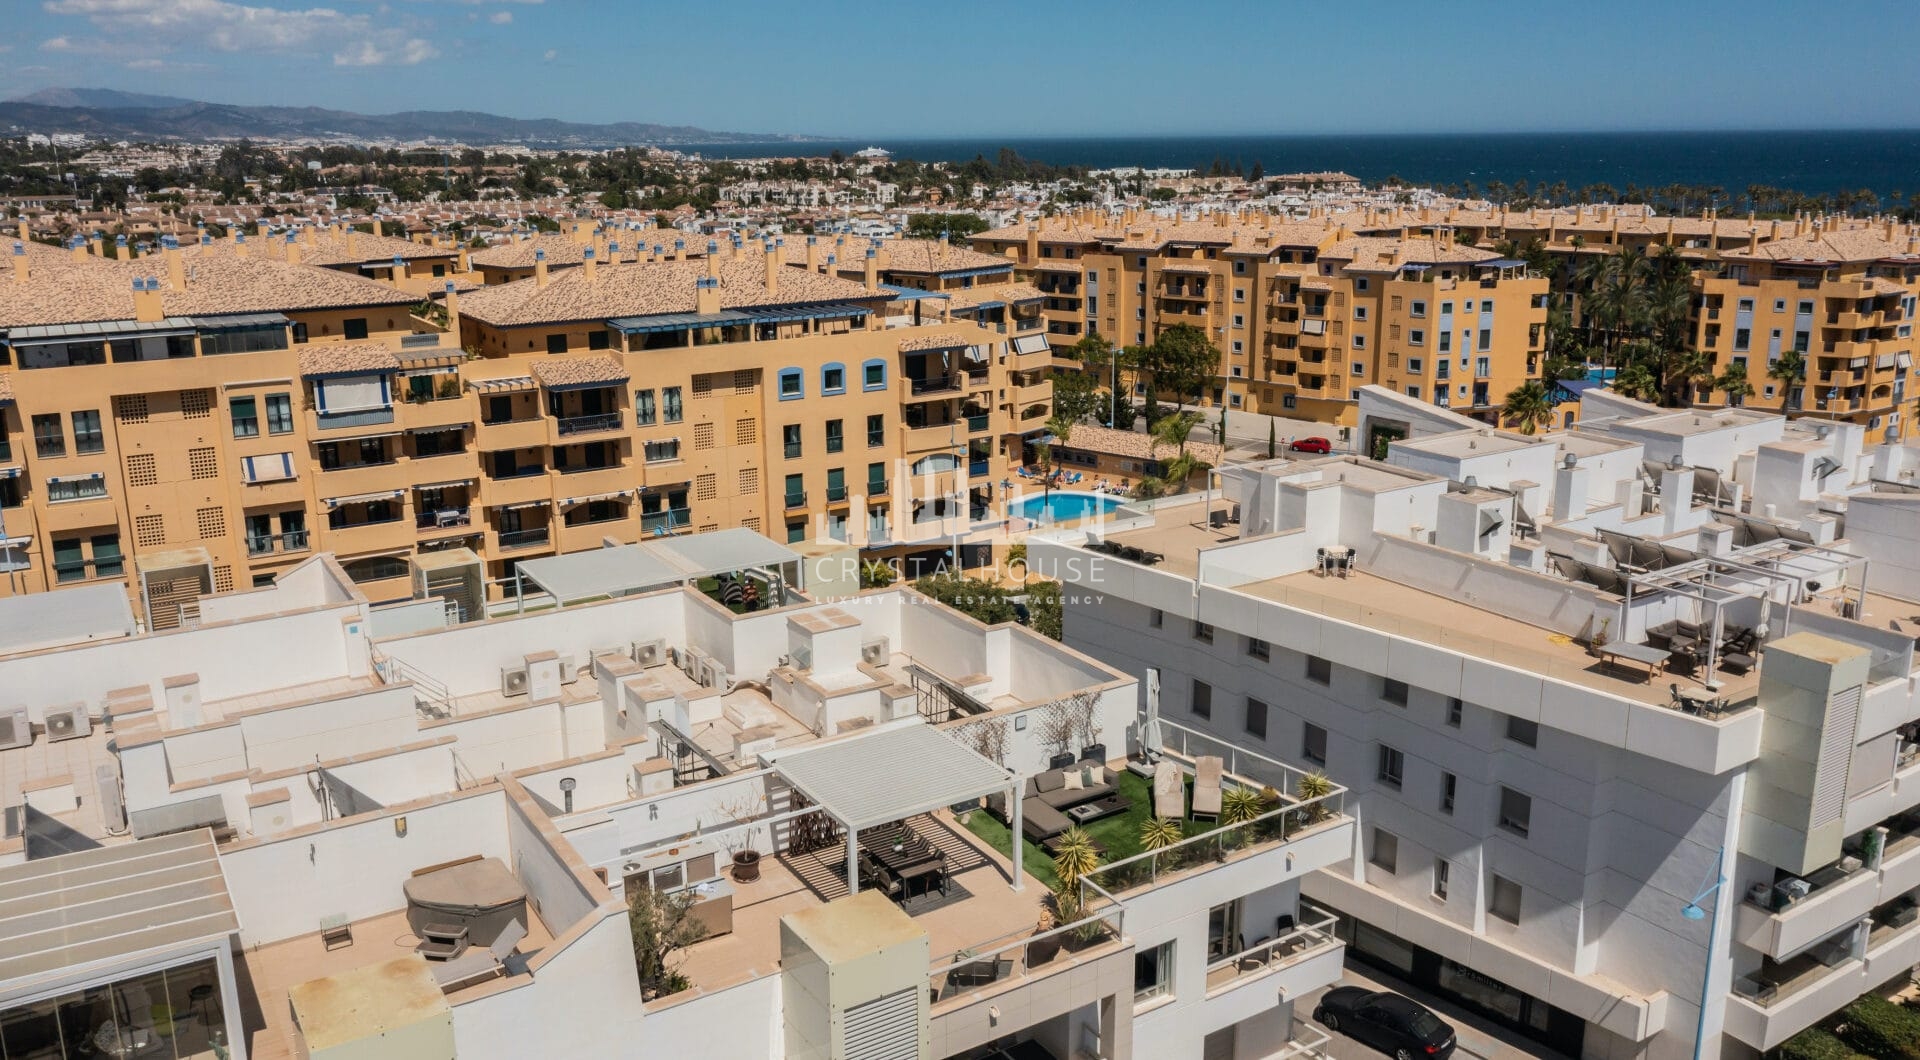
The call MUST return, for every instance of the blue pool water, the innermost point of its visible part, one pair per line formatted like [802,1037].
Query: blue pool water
[1062,507]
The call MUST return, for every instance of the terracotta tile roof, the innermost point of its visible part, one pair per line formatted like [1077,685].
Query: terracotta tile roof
[1089,438]
[1190,266]
[563,250]
[647,288]
[944,341]
[579,371]
[62,291]
[1855,245]
[1886,285]
[363,248]
[1365,252]
[930,257]
[6,388]
[346,358]
[967,298]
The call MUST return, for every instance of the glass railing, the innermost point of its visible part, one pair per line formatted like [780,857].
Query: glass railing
[792,450]
[1019,955]
[934,386]
[523,538]
[293,540]
[1315,937]
[651,522]
[977,467]
[835,443]
[261,545]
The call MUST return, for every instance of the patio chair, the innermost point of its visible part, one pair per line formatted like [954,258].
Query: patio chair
[1169,790]
[1206,786]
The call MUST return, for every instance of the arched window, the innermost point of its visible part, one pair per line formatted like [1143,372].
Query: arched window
[791,387]
[833,378]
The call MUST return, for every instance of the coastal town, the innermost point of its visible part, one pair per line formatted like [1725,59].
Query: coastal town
[500,597]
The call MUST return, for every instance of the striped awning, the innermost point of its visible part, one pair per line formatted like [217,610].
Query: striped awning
[362,498]
[541,503]
[615,495]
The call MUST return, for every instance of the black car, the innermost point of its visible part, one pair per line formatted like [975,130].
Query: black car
[1386,1021]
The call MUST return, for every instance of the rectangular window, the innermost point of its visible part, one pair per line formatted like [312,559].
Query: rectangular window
[1449,787]
[1440,878]
[1313,744]
[1386,851]
[670,405]
[836,438]
[1522,731]
[557,343]
[643,409]
[796,491]
[789,384]
[1392,767]
[49,439]
[874,376]
[876,431]
[1155,618]
[1417,337]
[106,556]
[599,340]
[1258,648]
[355,328]
[662,451]
[1203,631]
[1419,308]
[1742,338]
[279,414]
[833,380]
[1516,811]
[1153,972]
[1202,699]
[790,444]
[1394,692]
[246,417]
[1256,719]
[1319,671]
[1503,898]
[86,432]
[1454,709]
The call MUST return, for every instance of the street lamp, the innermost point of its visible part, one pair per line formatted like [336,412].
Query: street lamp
[1693,911]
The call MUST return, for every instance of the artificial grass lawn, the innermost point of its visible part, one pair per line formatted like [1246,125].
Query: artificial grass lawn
[1119,834]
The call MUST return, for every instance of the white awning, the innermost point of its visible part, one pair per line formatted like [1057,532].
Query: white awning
[361,498]
[888,773]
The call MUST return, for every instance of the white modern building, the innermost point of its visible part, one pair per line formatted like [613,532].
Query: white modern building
[304,827]
[1573,683]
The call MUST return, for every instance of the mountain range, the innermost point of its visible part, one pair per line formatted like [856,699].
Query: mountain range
[115,115]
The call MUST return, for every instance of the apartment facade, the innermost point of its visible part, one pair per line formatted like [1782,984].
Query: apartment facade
[1533,826]
[1303,313]
[203,418]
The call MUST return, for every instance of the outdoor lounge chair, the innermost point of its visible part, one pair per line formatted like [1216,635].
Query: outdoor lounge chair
[1206,786]
[1169,790]
[478,966]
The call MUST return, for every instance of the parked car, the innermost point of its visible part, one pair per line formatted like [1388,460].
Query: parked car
[1311,445]
[1387,1021]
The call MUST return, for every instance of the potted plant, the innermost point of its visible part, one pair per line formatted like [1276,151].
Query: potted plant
[1159,833]
[1313,786]
[1074,855]
[1044,946]
[1600,636]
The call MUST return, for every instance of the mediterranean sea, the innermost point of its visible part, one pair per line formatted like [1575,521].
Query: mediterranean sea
[1818,163]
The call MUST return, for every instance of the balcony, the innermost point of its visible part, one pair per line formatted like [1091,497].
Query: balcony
[1033,393]
[876,487]
[528,433]
[347,479]
[666,520]
[936,385]
[583,480]
[527,486]
[977,468]
[334,421]
[508,540]
[796,499]
[351,538]
[580,426]
[978,423]
[931,438]
[428,522]
[441,412]
[1309,956]
[267,544]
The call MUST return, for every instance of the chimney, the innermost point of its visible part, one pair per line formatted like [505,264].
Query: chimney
[379,228]
[77,247]
[713,259]
[353,242]
[679,249]
[453,311]
[293,249]
[96,245]
[239,244]
[873,271]
[121,252]
[813,255]
[176,265]
[1753,239]
[706,295]
[591,262]
[24,234]
[1033,242]
[261,230]
[540,268]
[773,268]
[20,259]
[146,299]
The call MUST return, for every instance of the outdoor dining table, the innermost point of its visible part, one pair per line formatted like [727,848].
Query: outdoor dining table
[900,850]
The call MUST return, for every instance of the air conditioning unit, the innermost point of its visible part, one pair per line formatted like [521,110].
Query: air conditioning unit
[717,677]
[513,680]
[650,653]
[569,670]
[876,652]
[68,722]
[694,662]
[15,730]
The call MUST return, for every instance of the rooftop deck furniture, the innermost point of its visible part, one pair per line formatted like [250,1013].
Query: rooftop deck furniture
[480,894]
[1046,797]
[1169,790]
[1206,786]
[1335,561]
[1616,652]
[1697,700]
[335,932]
[975,974]
[478,966]
[442,942]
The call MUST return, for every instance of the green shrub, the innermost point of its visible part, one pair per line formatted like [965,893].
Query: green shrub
[1879,1028]
[1815,1043]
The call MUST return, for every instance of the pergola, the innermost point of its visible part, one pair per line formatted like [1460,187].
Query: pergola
[890,774]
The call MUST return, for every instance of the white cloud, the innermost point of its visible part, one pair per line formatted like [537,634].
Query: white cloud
[163,66]
[549,56]
[57,44]
[500,18]
[355,38]
[410,52]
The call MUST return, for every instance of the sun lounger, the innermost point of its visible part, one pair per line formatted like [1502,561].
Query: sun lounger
[1206,786]
[1169,790]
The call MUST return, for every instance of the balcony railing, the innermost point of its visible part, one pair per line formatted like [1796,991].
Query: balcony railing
[835,494]
[796,498]
[937,385]
[437,518]
[523,538]
[977,423]
[792,450]
[265,544]
[600,421]
[671,518]
[294,540]
[1262,957]
[977,467]
[1019,955]
[876,487]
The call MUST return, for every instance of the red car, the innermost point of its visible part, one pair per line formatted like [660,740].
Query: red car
[1311,445]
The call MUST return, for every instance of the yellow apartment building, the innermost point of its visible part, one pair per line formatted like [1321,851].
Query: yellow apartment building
[204,417]
[1303,313]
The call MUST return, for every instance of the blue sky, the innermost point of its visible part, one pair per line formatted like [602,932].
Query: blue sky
[1035,67]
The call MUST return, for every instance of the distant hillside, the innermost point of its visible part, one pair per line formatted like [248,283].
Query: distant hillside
[109,114]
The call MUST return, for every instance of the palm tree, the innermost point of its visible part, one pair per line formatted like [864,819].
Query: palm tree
[1734,381]
[1791,369]
[1528,407]
[1636,381]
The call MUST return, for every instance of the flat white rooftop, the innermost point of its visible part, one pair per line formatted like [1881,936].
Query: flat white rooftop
[35,621]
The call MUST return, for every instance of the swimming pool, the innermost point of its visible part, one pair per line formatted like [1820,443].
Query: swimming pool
[1062,506]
